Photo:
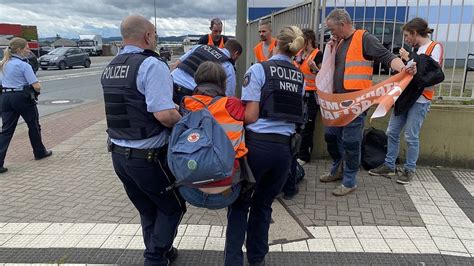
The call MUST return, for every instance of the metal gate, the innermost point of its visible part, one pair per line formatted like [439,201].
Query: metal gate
[452,21]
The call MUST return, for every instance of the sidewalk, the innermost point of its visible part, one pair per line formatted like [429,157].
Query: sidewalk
[71,208]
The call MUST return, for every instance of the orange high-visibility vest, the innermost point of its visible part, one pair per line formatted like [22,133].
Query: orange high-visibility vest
[258,50]
[429,93]
[304,67]
[210,42]
[233,128]
[358,71]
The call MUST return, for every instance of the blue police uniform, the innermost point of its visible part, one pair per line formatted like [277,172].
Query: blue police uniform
[186,82]
[139,150]
[17,75]
[269,157]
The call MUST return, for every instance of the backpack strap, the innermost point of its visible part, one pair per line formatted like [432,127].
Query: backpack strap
[183,108]
[430,48]
[214,100]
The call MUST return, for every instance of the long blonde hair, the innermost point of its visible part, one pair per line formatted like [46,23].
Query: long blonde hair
[15,45]
[290,40]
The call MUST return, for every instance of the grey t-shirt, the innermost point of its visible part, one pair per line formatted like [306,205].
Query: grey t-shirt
[372,50]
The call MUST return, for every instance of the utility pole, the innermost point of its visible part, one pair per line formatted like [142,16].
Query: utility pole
[241,36]
[154,8]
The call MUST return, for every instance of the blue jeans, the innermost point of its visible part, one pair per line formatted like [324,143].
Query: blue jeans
[412,122]
[343,144]
[196,197]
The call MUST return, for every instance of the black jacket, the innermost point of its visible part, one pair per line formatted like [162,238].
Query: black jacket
[428,74]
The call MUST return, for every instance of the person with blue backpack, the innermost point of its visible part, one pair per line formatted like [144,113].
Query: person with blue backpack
[273,92]
[140,112]
[193,151]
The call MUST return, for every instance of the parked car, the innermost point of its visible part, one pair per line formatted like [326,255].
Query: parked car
[65,57]
[45,49]
[166,53]
[32,60]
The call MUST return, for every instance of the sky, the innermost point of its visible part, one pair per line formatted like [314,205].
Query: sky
[74,17]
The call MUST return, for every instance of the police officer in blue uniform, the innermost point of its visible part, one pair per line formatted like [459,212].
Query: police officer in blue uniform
[139,110]
[20,90]
[273,92]
[186,66]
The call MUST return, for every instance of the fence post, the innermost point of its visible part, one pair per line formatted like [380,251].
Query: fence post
[241,35]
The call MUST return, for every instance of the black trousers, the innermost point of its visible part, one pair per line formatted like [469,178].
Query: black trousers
[14,105]
[251,215]
[160,215]
[306,147]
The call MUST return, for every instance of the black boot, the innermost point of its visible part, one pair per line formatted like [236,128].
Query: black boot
[47,153]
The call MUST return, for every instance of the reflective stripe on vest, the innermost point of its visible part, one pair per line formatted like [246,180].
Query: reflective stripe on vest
[233,128]
[258,51]
[309,77]
[429,92]
[358,71]
[210,42]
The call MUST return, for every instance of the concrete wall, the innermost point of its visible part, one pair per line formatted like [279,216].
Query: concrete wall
[446,139]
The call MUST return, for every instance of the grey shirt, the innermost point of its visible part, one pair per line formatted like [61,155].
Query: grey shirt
[373,50]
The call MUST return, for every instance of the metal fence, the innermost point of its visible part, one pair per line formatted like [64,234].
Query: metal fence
[452,21]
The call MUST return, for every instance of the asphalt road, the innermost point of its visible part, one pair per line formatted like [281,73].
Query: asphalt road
[64,89]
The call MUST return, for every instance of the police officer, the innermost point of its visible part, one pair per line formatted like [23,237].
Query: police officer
[20,88]
[140,111]
[273,92]
[183,75]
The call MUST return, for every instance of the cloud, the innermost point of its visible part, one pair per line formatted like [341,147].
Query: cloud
[71,18]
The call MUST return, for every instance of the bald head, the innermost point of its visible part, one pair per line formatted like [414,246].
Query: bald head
[134,26]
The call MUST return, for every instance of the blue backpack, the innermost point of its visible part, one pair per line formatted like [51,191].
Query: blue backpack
[199,150]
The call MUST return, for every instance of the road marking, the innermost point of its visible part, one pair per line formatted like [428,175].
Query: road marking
[69,76]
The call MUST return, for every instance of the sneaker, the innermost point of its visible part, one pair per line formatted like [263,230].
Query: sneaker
[382,170]
[327,177]
[3,169]
[301,162]
[341,190]
[172,254]
[406,177]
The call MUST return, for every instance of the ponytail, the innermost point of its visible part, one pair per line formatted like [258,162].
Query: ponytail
[6,56]
[13,47]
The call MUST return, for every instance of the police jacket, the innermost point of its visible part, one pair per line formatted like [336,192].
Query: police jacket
[200,55]
[428,74]
[125,107]
[282,93]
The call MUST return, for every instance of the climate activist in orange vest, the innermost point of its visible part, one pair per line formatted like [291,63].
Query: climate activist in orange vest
[356,51]
[229,113]
[264,49]
[215,38]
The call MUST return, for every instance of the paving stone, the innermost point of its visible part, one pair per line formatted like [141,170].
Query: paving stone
[341,232]
[299,246]
[319,232]
[367,232]
[347,245]
[374,245]
[449,244]
[401,245]
[321,245]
